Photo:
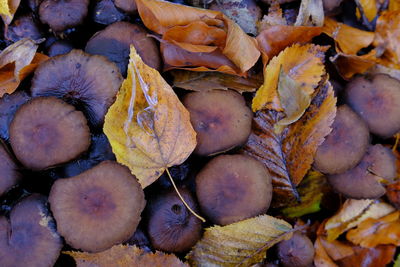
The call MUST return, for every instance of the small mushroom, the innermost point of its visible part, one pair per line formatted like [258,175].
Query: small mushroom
[46,132]
[59,47]
[29,237]
[220,118]
[63,14]
[345,146]
[9,175]
[23,27]
[114,43]
[331,6]
[98,208]
[106,13]
[365,180]
[377,100]
[88,82]
[298,251]
[232,188]
[128,6]
[171,226]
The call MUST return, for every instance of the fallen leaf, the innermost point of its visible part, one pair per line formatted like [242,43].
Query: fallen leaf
[387,35]
[393,193]
[8,9]
[304,64]
[369,257]
[148,127]
[17,61]
[397,261]
[239,244]
[373,232]
[274,17]
[350,65]
[394,5]
[368,8]
[124,256]
[326,253]
[179,24]
[321,257]
[311,13]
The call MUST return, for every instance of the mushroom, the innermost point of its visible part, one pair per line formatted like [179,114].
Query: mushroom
[98,208]
[345,146]
[364,181]
[63,14]
[88,82]
[220,118]
[298,251]
[9,175]
[46,132]
[114,43]
[29,237]
[377,100]
[232,188]
[171,226]
[128,6]
[23,27]
[59,47]
[106,13]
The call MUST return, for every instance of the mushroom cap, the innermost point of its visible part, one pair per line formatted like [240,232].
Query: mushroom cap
[363,181]
[63,14]
[377,100]
[23,27]
[171,226]
[298,251]
[46,132]
[9,175]
[232,188]
[345,146]
[106,13]
[114,43]
[98,208]
[220,118]
[29,238]
[59,47]
[128,6]
[88,82]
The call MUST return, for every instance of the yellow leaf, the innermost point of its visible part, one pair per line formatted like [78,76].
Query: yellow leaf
[303,64]
[124,256]
[369,8]
[8,9]
[239,244]
[148,127]
[4,9]
[387,35]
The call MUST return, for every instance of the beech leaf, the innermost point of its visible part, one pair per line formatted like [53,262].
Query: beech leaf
[311,13]
[8,9]
[326,253]
[148,127]
[387,35]
[369,257]
[124,256]
[239,244]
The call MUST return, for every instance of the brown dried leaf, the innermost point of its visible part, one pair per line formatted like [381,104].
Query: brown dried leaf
[326,253]
[369,257]
[125,256]
[349,65]
[387,35]
[273,18]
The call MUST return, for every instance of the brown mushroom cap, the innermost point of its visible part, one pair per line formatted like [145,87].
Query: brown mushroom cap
[298,251]
[59,47]
[171,226]
[106,13]
[114,43]
[377,100]
[221,120]
[363,181]
[128,6]
[98,208]
[88,82]
[46,132]
[9,175]
[29,237]
[61,14]
[232,188]
[345,146]
[23,27]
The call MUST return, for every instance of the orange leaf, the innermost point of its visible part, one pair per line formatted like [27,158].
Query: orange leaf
[349,65]
[387,35]
[394,5]
[326,253]
[369,257]
[125,256]
[369,8]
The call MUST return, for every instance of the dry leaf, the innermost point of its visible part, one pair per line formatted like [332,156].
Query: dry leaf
[16,62]
[148,127]
[194,26]
[369,257]
[387,35]
[125,256]
[352,213]
[349,65]
[394,5]
[289,155]
[326,253]
[311,13]
[368,8]
[393,192]
[8,9]
[239,244]
[273,18]
[373,232]
[321,258]
[304,64]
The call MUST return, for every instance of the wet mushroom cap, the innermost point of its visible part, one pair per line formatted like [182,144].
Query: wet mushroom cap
[9,175]
[61,14]
[46,132]
[23,27]
[88,82]
[98,208]
[106,13]
[345,146]
[59,47]
[29,237]
[114,43]
[221,120]
[232,188]
[298,251]
[364,181]
[171,226]
[377,100]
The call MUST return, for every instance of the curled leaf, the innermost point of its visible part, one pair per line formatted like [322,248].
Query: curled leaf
[311,13]
[239,244]
[387,35]
[349,65]
[148,127]
[326,253]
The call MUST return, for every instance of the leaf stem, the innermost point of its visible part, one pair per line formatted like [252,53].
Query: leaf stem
[184,202]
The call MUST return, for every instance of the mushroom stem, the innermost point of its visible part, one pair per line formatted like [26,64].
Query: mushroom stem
[183,201]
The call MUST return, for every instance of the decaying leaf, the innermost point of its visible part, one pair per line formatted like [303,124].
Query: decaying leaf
[349,65]
[8,9]
[373,232]
[368,8]
[304,64]
[326,253]
[273,18]
[387,35]
[369,257]
[148,127]
[239,244]
[311,13]
[124,256]
[16,62]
